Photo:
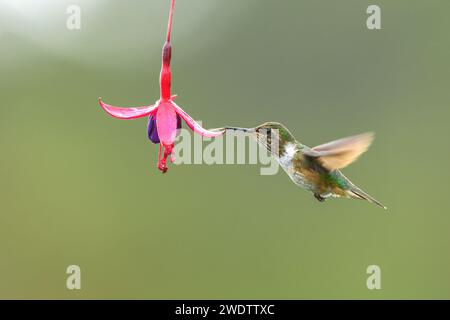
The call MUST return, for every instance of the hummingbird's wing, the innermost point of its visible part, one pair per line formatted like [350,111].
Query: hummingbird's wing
[340,153]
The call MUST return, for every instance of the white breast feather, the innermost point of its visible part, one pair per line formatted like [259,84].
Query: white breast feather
[289,152]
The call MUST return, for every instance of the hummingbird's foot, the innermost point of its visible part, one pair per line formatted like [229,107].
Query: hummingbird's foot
[319,197]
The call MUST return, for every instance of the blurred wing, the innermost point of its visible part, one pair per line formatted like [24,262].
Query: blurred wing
[194,125]
[126,113]
[340,153]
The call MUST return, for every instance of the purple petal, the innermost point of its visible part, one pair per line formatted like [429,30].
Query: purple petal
[178,122]
[152,132]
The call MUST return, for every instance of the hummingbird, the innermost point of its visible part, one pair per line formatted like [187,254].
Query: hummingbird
[315,169]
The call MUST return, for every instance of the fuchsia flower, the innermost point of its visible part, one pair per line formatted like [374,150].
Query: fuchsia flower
[164,117]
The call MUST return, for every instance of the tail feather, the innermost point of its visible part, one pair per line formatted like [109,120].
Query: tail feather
[357,193]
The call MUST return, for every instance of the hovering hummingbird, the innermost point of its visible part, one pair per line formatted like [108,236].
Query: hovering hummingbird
[314,169]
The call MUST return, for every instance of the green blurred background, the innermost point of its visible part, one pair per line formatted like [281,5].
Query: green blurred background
[79,187]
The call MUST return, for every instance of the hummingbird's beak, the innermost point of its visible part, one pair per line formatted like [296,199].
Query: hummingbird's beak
[247,130]
[236,129]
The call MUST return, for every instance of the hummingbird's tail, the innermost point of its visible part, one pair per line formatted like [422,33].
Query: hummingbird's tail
[357,193]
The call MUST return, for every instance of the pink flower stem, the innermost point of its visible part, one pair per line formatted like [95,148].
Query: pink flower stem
[165,75]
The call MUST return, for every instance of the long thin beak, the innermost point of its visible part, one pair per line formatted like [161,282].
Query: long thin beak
[249,130]
[246,130]
[236,129]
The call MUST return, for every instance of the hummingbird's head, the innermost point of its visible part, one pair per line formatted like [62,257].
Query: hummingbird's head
[272,130]
[269,134]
